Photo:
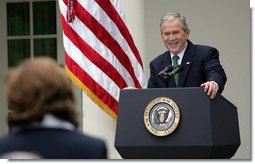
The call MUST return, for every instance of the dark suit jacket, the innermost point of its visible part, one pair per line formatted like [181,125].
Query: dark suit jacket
[200,64]
[53,143]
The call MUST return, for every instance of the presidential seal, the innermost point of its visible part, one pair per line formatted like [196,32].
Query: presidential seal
[161,116]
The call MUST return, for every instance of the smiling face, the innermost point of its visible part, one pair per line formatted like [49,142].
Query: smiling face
[174,36]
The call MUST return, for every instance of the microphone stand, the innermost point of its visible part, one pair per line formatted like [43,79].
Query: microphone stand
[166,76]
[165,79]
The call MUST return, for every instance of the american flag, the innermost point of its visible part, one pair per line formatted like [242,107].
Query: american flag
[100,54]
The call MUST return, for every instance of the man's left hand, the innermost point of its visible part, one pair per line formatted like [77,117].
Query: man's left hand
[211,87]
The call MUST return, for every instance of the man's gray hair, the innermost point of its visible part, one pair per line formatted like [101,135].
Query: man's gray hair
[172,16]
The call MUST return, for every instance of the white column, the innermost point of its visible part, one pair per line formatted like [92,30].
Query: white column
[95,121]
[134,12]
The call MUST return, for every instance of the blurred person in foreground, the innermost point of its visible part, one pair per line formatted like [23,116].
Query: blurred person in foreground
[42,117]
[200,63]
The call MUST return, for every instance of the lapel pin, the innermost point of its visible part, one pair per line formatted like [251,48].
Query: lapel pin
[188,63]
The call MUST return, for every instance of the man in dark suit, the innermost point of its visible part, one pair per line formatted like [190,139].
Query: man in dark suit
[200,64]
[43,118]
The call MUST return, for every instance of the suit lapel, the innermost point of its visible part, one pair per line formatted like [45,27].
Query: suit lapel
[166,60]
[186,62]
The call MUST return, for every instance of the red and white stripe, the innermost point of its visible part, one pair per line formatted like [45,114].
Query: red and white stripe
[100,54]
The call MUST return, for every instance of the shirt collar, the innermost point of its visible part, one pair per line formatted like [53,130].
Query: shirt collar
[48,121]
[181,54]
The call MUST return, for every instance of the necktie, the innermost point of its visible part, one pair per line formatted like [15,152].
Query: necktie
[176,76]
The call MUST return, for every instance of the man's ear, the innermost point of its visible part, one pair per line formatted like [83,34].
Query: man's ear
[187,33]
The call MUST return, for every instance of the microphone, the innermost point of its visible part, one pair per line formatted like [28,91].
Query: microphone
[176,70]
[166,70]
